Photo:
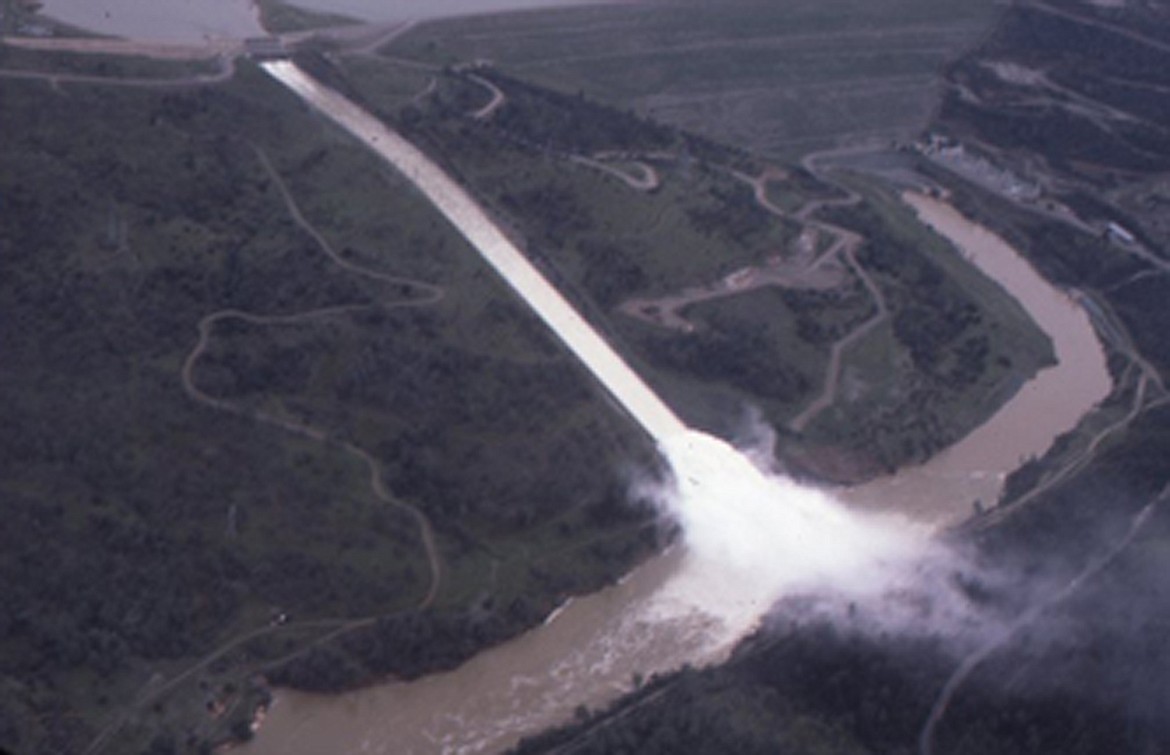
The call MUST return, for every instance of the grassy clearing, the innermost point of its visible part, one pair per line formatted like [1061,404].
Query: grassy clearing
[118,238]
[749,346]
[956,345]
[391,86]
[779,79]
[112,67]
[604,241]
[277,17]
[909,388]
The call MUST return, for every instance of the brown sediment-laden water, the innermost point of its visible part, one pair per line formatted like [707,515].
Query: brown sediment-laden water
[944,488]
[749,536]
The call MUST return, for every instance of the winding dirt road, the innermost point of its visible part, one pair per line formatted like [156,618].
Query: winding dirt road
[495,103]
[813,274]
[646,178]
[667,311]
[334,627]
[833,372]
[432,295]
[494,247]
[844,246]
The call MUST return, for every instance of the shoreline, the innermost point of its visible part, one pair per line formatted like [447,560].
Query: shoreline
[545,669]
[1026,426]
[231,21]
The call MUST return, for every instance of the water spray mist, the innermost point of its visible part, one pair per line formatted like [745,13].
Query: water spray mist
[750,537]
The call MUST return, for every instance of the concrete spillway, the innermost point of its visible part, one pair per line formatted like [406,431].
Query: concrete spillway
[750,538]
[495,247]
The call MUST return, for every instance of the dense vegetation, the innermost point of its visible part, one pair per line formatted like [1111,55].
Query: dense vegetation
[1084,87]
[1088,675]
[175,526]
[1098,62]
[957,347]
[358,380]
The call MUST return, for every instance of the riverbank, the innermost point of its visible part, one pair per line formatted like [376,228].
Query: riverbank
[600,646]
[946,488]
[174,21]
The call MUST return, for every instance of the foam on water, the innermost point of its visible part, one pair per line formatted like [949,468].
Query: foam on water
[753,537]
[750,538]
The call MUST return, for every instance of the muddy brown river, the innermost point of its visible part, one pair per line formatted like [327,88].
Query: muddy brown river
[589,652]
[945,488]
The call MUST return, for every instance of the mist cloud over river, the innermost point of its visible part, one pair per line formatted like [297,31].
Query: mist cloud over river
[751,539]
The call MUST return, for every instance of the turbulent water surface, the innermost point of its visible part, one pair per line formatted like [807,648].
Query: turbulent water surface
[750,538]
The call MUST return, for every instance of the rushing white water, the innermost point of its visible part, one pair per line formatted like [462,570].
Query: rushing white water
[753,537]
[497,249]
[734,515]
[750,537]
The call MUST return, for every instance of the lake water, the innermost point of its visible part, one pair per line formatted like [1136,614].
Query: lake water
[586,655]
[200,20]
[381,10]
[160,20]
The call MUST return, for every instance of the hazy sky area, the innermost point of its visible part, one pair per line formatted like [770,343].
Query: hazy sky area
[196,20]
